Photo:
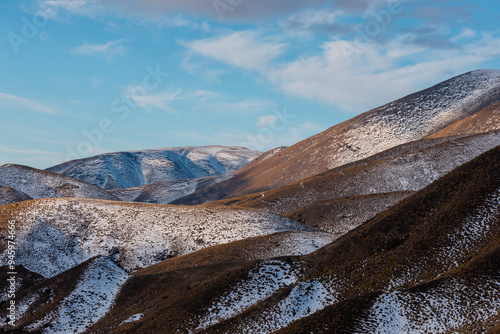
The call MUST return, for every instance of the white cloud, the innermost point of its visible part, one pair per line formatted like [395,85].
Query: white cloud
[20,103]
[147,100]
[107,50]
[267,121]
[310,21]
[345,74]
[241,49]
[375,76]
[466,33]
[25,152]
[247,106]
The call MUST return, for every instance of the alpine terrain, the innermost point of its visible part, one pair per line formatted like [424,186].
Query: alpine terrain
[386,223]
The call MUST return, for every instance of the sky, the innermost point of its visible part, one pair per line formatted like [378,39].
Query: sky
[85,77]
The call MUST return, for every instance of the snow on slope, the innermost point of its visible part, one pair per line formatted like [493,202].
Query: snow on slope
[38,183]
[57,234]
[447,308]
[137,168]
[291,243]
[263,281]
[167,191]
[91,299]
[72,302]
[419,115]
[10,195]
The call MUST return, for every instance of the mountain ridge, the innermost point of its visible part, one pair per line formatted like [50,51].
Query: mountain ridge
[128,169]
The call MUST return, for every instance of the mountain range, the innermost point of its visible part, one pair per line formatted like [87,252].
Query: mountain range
[386,223]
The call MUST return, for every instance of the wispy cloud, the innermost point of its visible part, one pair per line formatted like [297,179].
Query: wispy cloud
[344,74]
[108,50]
[266,121]
[160,100]
[20,103]
[241,49]
[26,151]
[314,21]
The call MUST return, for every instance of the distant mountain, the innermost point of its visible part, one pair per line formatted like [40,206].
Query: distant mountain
[10,195]
[55,235]
[37,183]
[137,168]
[411,118]
[430,264]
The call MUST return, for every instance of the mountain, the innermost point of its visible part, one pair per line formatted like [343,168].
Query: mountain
[430,264]
[37,183]
[54,235]
[137,168]
[10,195]
[411,118]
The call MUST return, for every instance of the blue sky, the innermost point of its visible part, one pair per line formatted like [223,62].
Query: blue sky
[84,77]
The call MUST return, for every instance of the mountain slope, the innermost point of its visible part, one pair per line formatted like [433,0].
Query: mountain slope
[38,183]
[408,119]
[167,191]
[430,264]
[10,195]
[72,301]
[54,235]
[333,200]
[484,121]
[293,243]
[137,168]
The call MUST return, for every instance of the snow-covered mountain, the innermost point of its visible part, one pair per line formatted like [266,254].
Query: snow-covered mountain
[411,118]
[38,183]
[137,168]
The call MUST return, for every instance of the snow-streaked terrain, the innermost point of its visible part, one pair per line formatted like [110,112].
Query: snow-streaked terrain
[263,281]
[448,308]
[418,115]
[137,168]
[91,299]
[57,234]
[38,183]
